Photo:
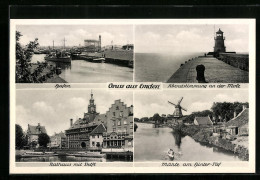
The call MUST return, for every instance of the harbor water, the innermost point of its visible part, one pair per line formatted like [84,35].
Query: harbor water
[81,71]
[152,67]
[152,144]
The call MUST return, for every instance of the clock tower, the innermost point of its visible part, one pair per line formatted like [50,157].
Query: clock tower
[91,106]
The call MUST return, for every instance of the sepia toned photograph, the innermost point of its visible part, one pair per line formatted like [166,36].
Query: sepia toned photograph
[74,126]
[191,126]
[74,53]
[200,53]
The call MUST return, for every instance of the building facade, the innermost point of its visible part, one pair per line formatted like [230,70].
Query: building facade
[119,126]
[96,137]
[92,45]
[33,133]
[78,133]
[58,140]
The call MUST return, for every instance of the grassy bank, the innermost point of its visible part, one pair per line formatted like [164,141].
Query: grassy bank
[204,135]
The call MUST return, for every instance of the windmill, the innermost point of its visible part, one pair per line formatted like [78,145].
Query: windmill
[178,109]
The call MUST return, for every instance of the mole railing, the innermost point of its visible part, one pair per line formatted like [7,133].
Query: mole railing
[240,61]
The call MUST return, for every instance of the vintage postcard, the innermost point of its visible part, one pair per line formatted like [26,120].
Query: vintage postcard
[132,96]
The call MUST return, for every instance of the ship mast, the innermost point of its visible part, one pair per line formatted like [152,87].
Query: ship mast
[64,42]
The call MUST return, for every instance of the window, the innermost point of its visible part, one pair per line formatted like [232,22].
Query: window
[97,136]
[125,122]
[114,113]
[93,136]
[114,123]
[117,108]
[114,129]
[93,143]
[121,114]
[119,123]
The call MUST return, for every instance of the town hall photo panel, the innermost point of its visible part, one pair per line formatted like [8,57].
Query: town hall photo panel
[75,125]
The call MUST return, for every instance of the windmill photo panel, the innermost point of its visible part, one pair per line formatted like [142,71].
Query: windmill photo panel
[174,126]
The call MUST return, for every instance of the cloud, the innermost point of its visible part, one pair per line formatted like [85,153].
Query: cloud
[198,106]
[42,107]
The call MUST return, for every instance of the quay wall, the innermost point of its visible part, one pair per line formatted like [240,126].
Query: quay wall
[120,55]
[240,61]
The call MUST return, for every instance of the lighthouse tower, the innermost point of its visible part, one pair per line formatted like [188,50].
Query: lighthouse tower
[219,42]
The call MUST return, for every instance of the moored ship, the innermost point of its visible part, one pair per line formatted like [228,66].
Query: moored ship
[58,57]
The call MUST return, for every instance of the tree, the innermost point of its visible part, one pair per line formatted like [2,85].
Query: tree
[225,110]
[19,136]
[43,139]
[23,60]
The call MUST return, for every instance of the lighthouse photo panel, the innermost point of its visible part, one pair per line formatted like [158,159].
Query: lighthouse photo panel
[192,53]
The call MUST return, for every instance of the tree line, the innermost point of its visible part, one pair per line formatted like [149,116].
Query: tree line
[21,139]
[219,112]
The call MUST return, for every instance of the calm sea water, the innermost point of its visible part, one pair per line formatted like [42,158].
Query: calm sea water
[152,144]
[80,71]
[152,67]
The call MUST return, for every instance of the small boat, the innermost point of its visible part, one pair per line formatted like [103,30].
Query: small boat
[38,154]
[90,154]
[98,60]
[170,153]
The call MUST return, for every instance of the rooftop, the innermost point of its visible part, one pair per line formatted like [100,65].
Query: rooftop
[36,130]
[240,120]
[203,120]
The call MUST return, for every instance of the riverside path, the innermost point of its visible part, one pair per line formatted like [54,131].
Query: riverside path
[216,71]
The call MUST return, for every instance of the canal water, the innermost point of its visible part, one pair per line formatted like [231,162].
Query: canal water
[69,159]
[152,144]
[81,71]
[155,67]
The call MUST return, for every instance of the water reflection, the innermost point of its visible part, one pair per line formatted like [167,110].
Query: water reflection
[70,159]
[177,137]
[63,66]
[152,144]
[82,71]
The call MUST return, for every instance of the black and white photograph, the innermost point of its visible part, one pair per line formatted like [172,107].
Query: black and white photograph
[74,126]
[123,95]
[184,126]
[74,53]
[192,53]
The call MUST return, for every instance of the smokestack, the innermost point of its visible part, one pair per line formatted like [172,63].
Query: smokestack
[71,122]
[100,42]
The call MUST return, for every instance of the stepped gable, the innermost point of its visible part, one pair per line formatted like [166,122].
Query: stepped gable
[99,129]
[240,120]
[36,129]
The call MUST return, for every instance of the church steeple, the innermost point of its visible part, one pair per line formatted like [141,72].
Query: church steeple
[91,106]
